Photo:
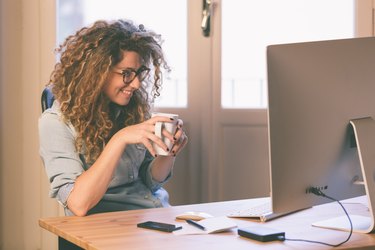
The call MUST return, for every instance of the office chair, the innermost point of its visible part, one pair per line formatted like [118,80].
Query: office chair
[47,98]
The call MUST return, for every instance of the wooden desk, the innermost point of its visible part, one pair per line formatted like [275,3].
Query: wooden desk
[118,230]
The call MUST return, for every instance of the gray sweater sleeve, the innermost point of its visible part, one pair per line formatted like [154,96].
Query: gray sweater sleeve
[57,149]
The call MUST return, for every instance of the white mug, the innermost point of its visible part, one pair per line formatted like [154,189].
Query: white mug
[169,126]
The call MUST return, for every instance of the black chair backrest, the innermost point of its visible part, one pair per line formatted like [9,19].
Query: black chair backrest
[47,98]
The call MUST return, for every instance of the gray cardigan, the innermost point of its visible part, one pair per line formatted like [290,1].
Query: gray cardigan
[132,186]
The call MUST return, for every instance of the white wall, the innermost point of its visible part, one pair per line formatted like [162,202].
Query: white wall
[23,197]
[11,170]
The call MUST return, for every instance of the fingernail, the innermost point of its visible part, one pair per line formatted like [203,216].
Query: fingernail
[172,119]
[167,149]
[156,155]
[174,152]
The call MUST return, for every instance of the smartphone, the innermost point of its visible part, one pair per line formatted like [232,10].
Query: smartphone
[165,227]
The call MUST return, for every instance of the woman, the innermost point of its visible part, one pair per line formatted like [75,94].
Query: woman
[96,140]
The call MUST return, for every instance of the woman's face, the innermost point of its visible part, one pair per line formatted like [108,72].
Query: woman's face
[115,88]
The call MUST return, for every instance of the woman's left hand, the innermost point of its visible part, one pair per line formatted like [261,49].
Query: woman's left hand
[181,138]
[162,165]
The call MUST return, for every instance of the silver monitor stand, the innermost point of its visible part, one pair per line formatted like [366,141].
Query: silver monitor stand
[364,131]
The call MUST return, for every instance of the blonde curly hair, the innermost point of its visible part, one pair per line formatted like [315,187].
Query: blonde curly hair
[86,59]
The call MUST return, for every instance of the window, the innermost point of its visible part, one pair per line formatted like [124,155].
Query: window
[249,26]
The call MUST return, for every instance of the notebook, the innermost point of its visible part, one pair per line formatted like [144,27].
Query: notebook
[211,225]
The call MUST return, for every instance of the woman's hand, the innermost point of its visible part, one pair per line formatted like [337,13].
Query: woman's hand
[144,133]
[162,166]
[180,139]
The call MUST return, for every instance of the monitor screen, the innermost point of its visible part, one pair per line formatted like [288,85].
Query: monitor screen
[315,89]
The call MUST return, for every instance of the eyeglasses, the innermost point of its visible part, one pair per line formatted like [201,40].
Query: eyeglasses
[128,75]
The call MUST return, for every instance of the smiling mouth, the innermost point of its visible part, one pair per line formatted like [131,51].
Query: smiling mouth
[126,92]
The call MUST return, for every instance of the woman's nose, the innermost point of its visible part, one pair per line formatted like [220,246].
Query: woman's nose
[135,84]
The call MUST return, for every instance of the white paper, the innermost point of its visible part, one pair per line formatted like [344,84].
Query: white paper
[212,225]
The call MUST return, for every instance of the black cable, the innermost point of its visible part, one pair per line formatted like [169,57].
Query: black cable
[320,193]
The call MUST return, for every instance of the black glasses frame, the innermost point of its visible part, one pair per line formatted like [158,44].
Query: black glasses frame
[128,75]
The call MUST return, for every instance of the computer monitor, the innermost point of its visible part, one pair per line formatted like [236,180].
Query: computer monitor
[316,90]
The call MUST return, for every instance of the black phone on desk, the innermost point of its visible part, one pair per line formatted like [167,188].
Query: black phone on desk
[165,227]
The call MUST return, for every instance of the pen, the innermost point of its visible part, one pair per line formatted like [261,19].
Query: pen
[191,222]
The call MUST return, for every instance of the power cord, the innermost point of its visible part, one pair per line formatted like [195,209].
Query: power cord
[318,192]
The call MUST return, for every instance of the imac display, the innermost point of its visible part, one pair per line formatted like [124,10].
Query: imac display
[317,92]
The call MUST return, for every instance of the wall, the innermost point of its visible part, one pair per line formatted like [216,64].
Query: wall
[23,184]
[11,124]
[1,117]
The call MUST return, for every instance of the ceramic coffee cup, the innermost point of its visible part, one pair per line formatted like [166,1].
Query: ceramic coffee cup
[169,126]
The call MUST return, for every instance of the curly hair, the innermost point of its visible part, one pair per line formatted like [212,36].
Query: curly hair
[77,80]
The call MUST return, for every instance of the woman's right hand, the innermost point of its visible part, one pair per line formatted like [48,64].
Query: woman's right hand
[144,133]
